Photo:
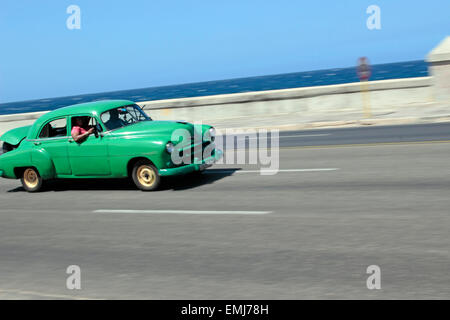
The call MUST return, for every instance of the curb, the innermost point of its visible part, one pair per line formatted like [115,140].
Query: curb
[344,124]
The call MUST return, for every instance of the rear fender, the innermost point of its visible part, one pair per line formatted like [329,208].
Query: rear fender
[12,160]
[42,161]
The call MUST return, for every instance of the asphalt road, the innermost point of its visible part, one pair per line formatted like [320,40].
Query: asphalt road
[365,135]
[310,231]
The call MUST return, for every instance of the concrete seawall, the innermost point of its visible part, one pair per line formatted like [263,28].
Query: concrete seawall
[342,102]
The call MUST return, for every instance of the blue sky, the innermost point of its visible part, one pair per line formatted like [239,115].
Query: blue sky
[136,44]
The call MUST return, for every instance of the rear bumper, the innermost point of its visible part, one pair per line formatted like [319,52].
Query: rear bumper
[208,162]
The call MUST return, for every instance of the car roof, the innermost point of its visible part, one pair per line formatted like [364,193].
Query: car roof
[96,107]
[88,107]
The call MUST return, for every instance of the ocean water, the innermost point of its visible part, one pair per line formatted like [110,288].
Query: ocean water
[407,69]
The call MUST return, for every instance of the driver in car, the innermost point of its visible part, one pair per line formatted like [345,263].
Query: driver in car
[80,131]
[114,121]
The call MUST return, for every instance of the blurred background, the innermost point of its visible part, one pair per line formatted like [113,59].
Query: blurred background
[54,55]
[359,91]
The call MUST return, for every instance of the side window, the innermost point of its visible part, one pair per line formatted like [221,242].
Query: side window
[105,117]
[85,123]
[114,118]
[55,128]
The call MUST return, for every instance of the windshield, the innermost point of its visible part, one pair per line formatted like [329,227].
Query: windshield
[123,116]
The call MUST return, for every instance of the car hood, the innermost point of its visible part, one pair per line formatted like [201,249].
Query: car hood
[156,128]
[15,136]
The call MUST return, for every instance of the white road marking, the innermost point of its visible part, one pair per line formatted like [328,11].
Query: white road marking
[307,135]
[259,170]
[42,294]
[181,211]
[294,136]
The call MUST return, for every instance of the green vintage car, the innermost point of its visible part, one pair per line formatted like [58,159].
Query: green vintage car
[124,142]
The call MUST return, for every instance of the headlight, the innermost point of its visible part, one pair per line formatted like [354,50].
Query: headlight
[169,147]
[212,134]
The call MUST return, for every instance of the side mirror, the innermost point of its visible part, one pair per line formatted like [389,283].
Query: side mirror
[98,130]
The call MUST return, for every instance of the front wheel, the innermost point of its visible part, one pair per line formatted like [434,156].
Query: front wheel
[146,176]
[31,180]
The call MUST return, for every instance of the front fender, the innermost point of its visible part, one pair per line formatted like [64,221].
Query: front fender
[122,150]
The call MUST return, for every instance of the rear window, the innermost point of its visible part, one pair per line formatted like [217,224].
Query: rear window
[55,128]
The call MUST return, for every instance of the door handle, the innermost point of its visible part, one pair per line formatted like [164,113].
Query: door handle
[37,143]
[71,140]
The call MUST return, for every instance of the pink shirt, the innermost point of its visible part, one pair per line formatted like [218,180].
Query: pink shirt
[78,130]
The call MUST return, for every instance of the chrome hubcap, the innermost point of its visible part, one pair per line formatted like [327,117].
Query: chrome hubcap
[146,176]
[30,178]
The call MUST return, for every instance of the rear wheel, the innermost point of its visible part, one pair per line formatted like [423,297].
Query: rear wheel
[31,180]
[146,176]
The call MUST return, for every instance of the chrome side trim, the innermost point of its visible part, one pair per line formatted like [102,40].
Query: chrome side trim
[48,139]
